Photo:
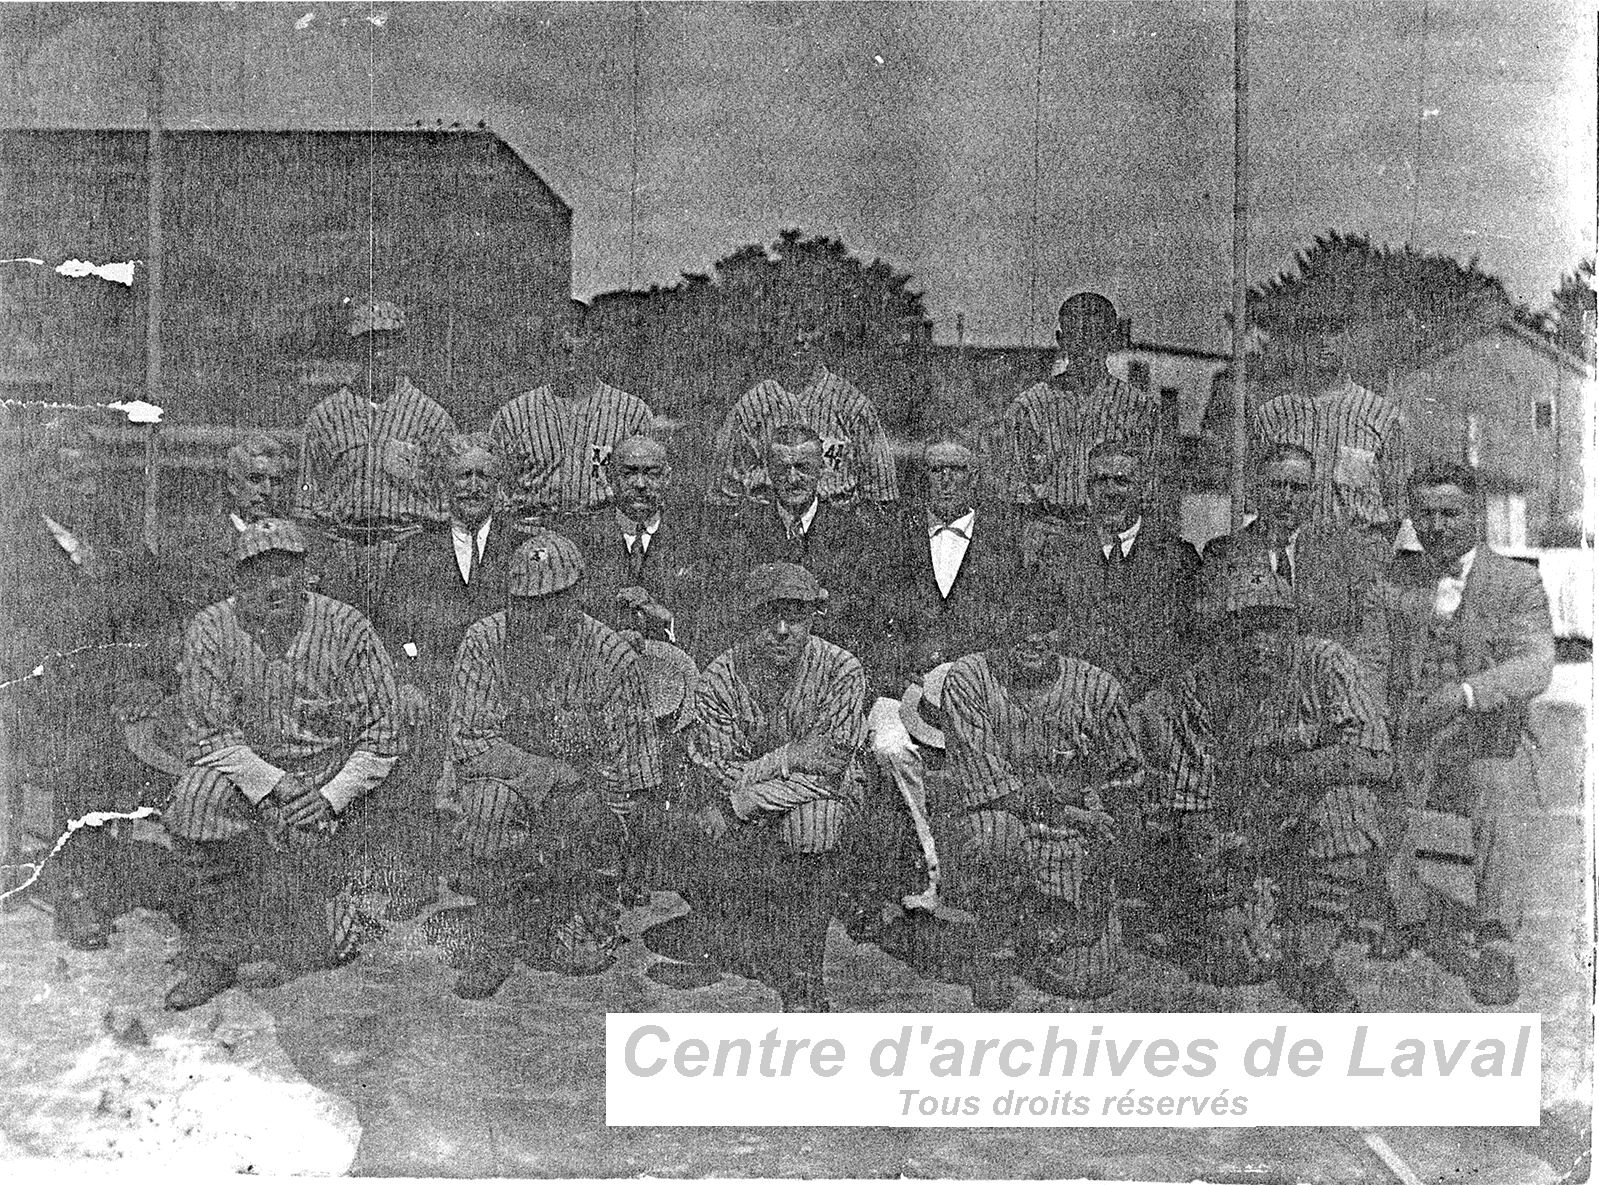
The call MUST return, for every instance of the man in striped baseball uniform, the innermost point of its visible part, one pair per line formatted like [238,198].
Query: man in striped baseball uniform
[1356,436]
[361,478]
[858,464]
[775,732]
[560,435]
[291,718]
[1041,755]
[1051,426]
[1264,756]
[553,742]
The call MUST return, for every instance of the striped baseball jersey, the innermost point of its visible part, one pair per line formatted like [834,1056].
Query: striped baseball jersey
[857,462]
[579,699]
[1000,736]
[1049,431]
[741,716]
[567,442]
[328,696]
[1206,744]
[1357,438]
[361,462]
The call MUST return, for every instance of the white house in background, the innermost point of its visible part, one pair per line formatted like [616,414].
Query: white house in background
[1173,372]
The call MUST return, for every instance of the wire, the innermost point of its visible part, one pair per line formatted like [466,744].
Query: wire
[632,189]
[1030,327]
[1421,120]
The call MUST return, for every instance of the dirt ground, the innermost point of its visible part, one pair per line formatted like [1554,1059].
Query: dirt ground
[380,1070]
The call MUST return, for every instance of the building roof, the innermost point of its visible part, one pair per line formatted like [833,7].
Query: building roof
[1510,328]
[454,130]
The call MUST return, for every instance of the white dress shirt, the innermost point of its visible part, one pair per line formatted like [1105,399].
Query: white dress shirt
[468,547]
[947,543]
[635,535]
[1125,539]
[801,525]
[1446,602]
[1452,586]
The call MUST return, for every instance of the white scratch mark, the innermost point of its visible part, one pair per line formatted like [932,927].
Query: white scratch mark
[378,20]
[116,273]
[1431,112]
[24,259]
[38,671]
[878,58]
[137,408]
[305,21]
[92,819]
[138,411]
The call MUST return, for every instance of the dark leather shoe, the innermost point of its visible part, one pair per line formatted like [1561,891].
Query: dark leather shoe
[1318,989]
[484,975]
[411,896]
[82,924]
[205,981]
[1392,943]
[1493,980]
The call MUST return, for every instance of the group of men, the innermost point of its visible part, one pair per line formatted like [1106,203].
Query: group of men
[990,725]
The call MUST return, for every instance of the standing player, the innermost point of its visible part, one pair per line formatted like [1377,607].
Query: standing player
[560,435]
[1355,437]
[361,476]
[857,464]
[1051,426]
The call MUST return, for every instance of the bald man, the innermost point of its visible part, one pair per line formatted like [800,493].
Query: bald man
[643,557]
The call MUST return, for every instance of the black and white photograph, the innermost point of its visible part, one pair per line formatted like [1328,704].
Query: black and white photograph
[525,521]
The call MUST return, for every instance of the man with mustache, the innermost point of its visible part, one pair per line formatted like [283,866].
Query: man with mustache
[1042,757]
[442,580]
[776,728]
[291,717]
[645,558]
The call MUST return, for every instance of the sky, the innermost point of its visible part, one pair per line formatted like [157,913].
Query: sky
[935,136]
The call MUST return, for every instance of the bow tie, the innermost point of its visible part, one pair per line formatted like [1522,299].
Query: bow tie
[962,532]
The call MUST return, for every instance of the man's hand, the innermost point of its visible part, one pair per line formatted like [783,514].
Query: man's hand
[302,804]
[414,705]
[1096,825]
[744,802]
[1438,708]
[713,823]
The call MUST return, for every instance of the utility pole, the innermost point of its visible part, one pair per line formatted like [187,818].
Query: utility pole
[154,168]
[1240,250]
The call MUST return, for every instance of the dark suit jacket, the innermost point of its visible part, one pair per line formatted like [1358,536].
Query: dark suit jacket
[930,628]
[1333,567]
[1133,617]
[672,570]
[425,601]
[1504,641]
[846,549]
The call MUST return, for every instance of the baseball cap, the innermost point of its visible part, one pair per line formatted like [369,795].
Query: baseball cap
[1237,586]
[782,582]
[269,534]
[545,564]
[376,316]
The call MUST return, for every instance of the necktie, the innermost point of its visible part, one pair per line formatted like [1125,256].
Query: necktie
[635,554]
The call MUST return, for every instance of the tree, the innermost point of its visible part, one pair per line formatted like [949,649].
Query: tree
[1571,312]
[1398,303]
[694,346]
